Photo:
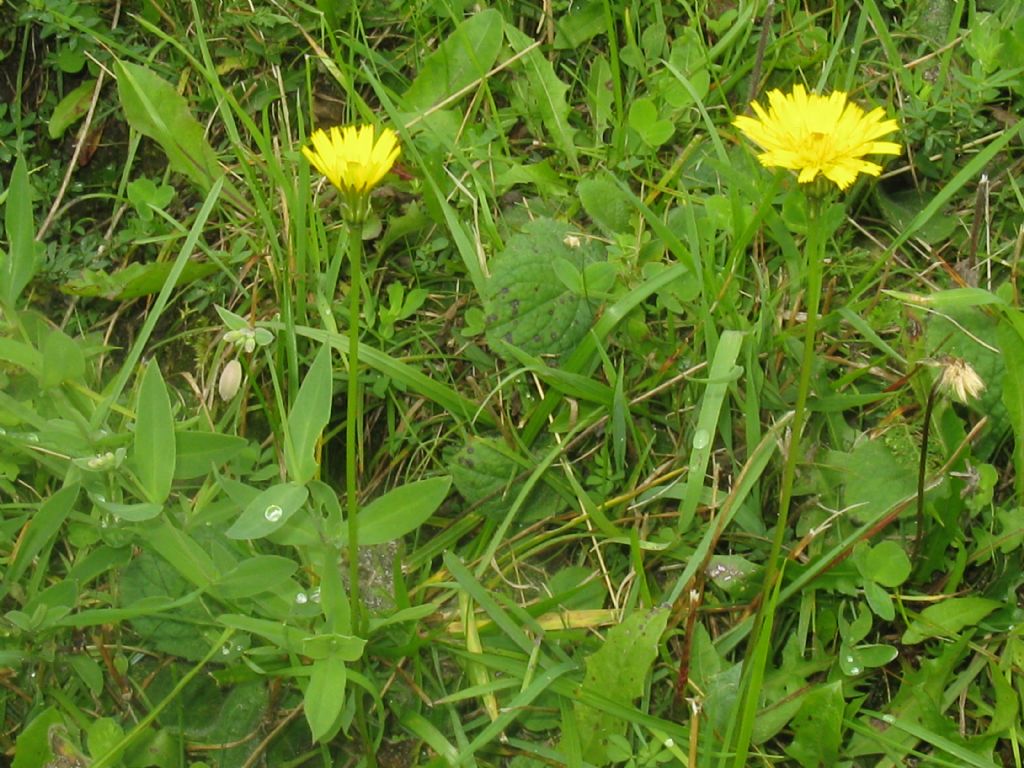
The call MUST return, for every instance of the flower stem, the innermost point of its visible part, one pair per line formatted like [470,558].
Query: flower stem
[757,655]
[352,423]
[814,251]
[922,467]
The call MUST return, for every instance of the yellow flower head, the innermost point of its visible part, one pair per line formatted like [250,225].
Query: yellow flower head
[816,134]
[353,158]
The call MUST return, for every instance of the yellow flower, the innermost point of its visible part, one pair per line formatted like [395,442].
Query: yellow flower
[815,134]
[353,158]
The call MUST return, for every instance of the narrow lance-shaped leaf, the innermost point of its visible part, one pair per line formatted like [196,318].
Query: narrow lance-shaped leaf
[465,56]
[154,108]
[307,418]
[153,451]
[548,92]
[19,265]
[401,510]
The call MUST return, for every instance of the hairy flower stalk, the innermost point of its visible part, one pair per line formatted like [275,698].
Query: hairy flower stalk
[354,159]
[820,138]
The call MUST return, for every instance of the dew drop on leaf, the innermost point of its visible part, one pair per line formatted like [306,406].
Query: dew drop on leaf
[700,439]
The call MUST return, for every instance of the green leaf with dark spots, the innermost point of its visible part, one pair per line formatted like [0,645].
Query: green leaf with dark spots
[618,671]
[525,304]
[178,633]
[489,477]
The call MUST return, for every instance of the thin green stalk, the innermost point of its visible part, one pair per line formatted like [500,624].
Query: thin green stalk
[814,251]
[352,421]
[113,755]
[922,468]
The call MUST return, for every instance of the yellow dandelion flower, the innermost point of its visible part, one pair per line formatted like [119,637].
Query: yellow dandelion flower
[353,158]
[815,134]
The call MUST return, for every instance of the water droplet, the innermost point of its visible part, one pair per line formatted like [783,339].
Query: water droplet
[301,598]
[32,437]
[701,438]
[854,670]
[315,595]
[849,659]
[273,513]
[3,431]
[225,650]
[669,743]
[100,498]
[888,718]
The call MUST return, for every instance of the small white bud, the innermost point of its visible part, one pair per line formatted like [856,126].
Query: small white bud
[230,380]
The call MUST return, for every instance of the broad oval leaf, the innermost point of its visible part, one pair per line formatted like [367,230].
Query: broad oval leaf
[323,646]
[325,696]
[262,573]
[198,452]
[63,360]
[268,511]
[401,510]
[526,305]
[606,204]
[948,617]
[888,564]
[133,513]
[154,108]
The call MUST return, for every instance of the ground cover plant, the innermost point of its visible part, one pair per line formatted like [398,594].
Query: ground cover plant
[629,383]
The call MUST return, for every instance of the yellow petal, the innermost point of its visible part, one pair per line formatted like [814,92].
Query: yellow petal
[353,158]
[814,134]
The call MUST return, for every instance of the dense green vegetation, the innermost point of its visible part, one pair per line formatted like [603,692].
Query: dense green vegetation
[584,305]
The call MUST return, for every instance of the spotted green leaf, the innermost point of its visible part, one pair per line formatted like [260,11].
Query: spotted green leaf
[526,305]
